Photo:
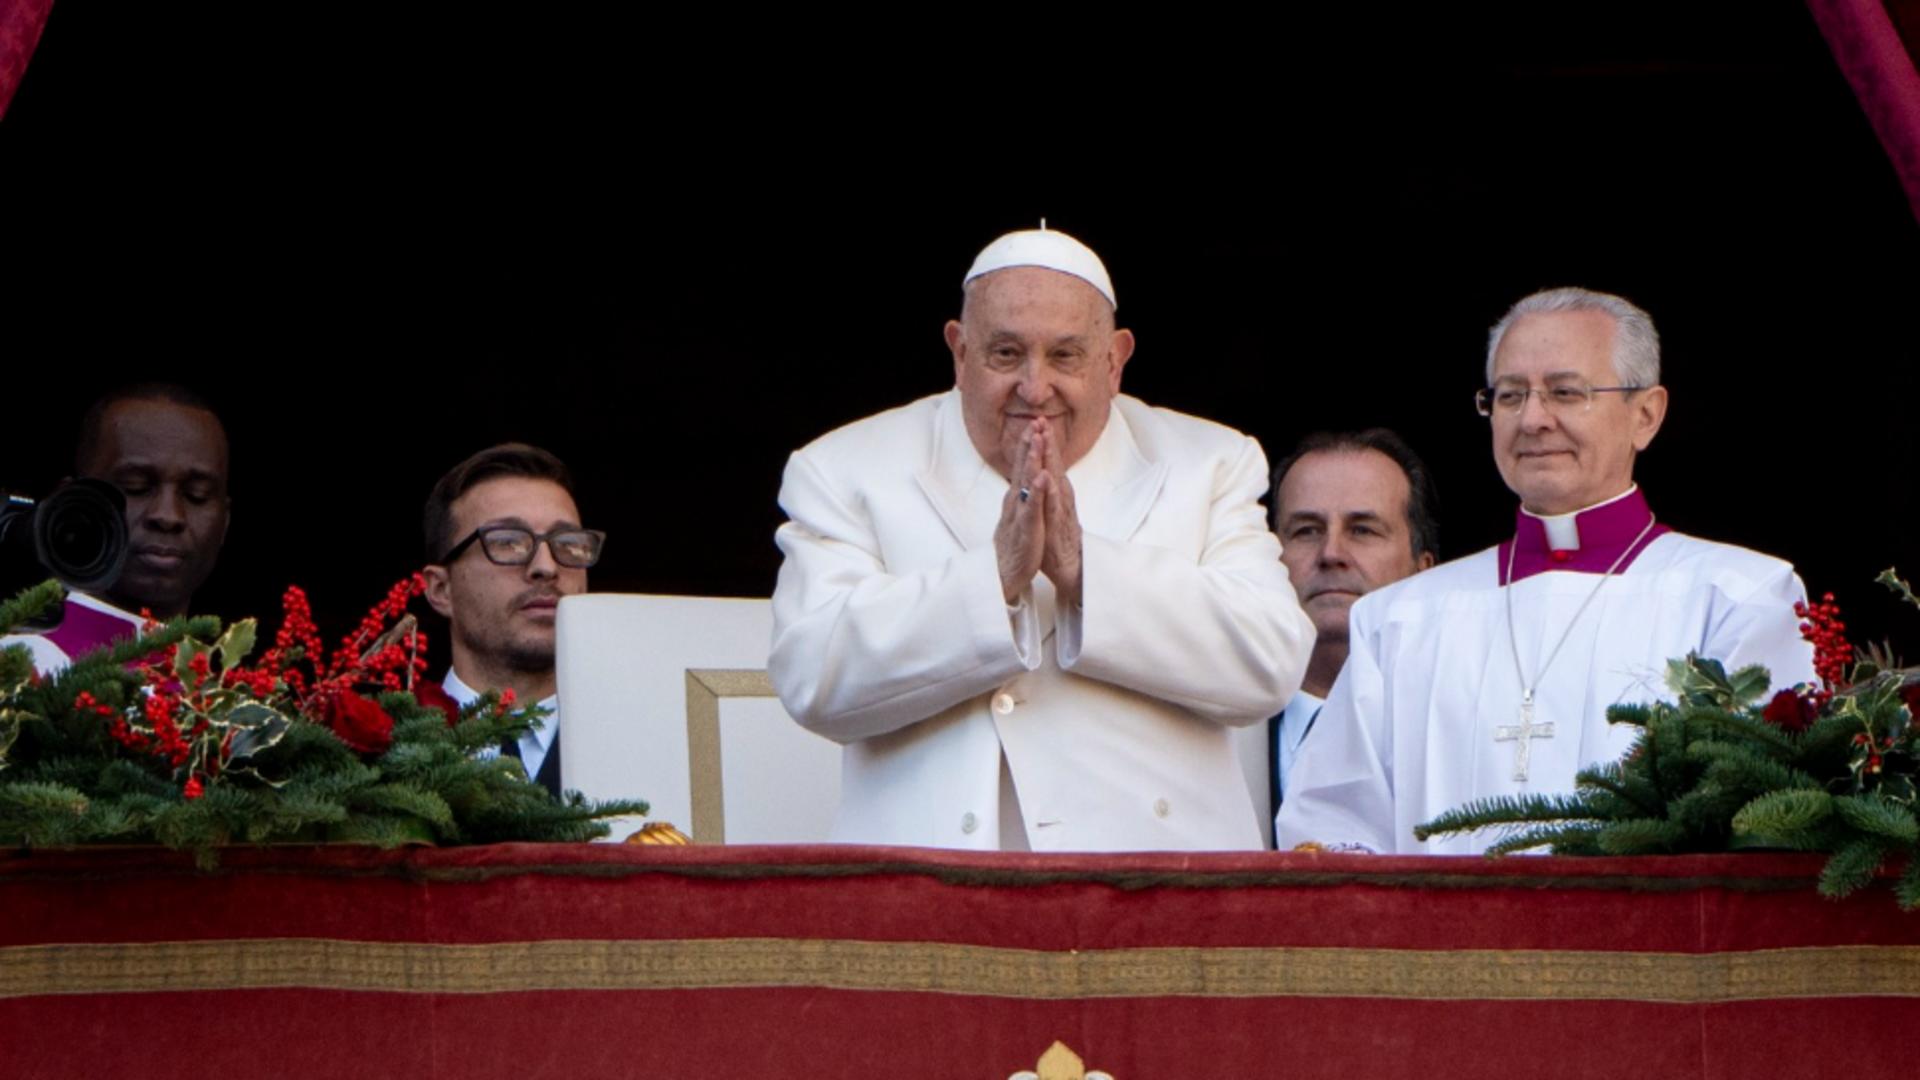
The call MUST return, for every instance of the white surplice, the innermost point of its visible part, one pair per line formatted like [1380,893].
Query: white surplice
[1409,728]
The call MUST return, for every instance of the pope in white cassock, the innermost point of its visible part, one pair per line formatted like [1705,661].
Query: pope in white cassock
[1030,606]
[1491,675]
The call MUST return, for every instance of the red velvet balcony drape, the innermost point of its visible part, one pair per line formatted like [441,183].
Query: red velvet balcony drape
[571,961]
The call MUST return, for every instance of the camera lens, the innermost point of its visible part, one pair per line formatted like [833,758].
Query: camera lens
[80,533]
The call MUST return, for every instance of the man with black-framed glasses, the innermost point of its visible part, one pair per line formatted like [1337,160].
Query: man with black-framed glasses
[504,543]
[1491,675]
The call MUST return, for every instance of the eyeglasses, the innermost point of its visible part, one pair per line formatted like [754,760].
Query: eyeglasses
[1565,397]
[511,545]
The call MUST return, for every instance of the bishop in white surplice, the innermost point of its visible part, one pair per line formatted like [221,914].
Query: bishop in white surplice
[1491,675]
[1422,718]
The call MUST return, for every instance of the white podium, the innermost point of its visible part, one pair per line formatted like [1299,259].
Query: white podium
[666,698]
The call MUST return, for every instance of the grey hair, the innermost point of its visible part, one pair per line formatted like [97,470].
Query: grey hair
[1636,344]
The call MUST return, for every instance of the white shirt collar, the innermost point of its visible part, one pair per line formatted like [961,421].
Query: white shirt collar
[542,736]
[1563,530]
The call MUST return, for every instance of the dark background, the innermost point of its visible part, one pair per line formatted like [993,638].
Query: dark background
[672,252]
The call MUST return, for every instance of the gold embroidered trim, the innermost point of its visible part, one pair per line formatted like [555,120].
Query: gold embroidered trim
[1414,974]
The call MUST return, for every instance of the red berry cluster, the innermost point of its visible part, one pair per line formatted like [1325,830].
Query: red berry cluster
[117,726]
[393,667]
[1832,653]
[297,633]
[388,665]
[1873,750]
[157,667]
[258,681]
[395,605]
[160,711]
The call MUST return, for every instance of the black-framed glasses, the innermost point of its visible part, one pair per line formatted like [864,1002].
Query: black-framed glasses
[512,545]
[1560,397]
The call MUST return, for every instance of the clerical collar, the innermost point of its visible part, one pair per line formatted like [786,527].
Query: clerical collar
[1585,541]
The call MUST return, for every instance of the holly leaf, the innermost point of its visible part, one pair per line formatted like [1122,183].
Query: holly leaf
[184,652]
[1750,683]
[255,728]
[236,643]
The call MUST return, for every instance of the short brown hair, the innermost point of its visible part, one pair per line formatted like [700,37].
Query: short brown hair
[506,459]
[1423,501]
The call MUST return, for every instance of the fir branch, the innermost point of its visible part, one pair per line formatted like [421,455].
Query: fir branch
[1666,756]
[1640,836]
[172,632]
[33,813]
[1827,746]
[1635,714]
[1702,815]
[31,603]
[1906,891]
[1505,810]
[1624,783]
[126,817]
[1740,727]
[1852,867]
[381,830]
[1574,839]
[406,800]
[1877,816]
[1789,818]
[1602,805]
[1738,767]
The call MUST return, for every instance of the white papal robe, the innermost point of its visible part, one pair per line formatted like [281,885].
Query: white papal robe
[891,636]
[1409,729]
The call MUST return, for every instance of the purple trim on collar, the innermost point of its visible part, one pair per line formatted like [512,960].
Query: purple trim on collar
[82,630]
[1605,531]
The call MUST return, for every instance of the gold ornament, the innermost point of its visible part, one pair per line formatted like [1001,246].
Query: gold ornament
[658,832]
[1060,1063]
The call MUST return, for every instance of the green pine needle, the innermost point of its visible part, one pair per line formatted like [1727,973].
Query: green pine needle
[1907,890]
[31,604]
[1504,810]
[1878,816]
[1640,836]
[1852,866]
[1781,816]
[1627,785]
[1570,839]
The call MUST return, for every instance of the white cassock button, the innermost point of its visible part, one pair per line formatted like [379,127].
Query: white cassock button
[1003,703]
[968,822]
[1161,808]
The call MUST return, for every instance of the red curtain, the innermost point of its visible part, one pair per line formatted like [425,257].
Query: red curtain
[20,24]
[1874,42]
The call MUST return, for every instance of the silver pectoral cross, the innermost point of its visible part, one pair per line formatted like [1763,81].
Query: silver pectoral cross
[1523,733]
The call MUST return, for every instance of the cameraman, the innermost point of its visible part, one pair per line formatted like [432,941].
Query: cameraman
[165,449]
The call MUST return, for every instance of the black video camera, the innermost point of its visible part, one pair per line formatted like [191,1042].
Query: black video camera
[77,534]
